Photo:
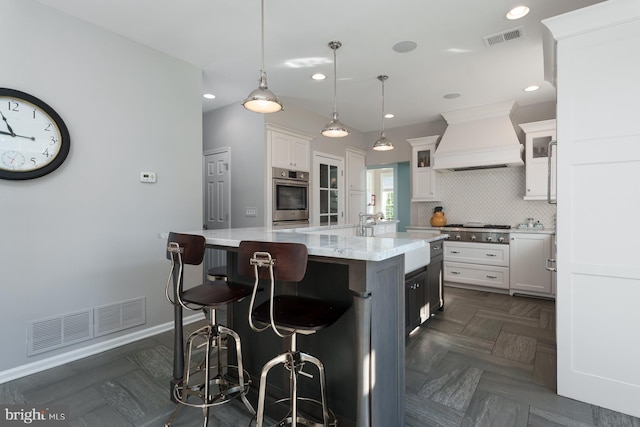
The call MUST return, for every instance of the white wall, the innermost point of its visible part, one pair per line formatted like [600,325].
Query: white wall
[87,234]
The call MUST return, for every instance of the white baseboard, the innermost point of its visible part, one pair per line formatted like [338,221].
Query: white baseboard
[61,359]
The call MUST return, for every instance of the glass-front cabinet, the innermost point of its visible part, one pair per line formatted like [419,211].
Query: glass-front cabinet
[329,208]
[540,169]
[425,181]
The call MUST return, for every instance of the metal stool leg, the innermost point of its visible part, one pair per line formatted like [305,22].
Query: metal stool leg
[212,372]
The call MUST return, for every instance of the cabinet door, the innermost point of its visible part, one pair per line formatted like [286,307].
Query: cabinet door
[537,152]
[528,257]
[300,154]
[434,293]
[357,204]
[356,171]
[289,151]
[424,180]
[414,287]
[280,150]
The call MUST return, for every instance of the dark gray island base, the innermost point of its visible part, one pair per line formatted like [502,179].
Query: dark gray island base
[363,352]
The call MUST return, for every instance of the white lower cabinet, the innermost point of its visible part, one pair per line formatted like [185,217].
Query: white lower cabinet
[477,274]
[528,258]
[480,264]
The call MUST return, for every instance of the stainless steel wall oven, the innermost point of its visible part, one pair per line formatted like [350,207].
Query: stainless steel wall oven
[290,197]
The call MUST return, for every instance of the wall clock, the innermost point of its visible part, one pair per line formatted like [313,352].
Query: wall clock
[34,141]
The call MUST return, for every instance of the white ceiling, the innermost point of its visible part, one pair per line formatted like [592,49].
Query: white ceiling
[223,38]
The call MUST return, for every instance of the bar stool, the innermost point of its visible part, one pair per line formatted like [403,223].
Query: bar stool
[287,315]
[205,383]
[217,273]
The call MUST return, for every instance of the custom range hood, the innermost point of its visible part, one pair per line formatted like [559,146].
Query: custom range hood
[479,138]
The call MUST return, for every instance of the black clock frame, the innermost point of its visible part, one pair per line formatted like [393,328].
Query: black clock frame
[65,142]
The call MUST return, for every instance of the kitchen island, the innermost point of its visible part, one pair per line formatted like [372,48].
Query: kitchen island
[363,352]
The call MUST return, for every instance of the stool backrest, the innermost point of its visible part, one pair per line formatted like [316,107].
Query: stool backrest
[290,260]
[193,247]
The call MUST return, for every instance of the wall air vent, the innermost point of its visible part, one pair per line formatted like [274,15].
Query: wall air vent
[504,36]
[116,317]
[56,332]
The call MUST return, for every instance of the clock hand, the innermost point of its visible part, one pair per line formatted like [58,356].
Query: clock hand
[7,123]
[16,135]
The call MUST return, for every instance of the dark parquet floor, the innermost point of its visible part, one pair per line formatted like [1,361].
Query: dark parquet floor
[487,360]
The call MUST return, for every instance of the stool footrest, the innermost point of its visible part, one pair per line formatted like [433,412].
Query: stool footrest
[301,420]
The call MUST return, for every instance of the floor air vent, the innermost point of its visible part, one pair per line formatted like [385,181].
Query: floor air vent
[504,36]
[56,332]
[116,317]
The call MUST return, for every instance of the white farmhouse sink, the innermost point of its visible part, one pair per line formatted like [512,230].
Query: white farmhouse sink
[417,258]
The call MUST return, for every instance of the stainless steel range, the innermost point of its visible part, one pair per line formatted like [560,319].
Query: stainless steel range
[477,255]
[479,233]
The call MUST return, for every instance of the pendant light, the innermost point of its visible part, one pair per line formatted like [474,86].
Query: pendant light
[383,143]
[262,100]
[335,129]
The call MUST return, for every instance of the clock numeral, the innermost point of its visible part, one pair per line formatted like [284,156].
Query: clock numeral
[54,140]
[34,113]
[33,160]
[47,128]
[13,106]
[46,153]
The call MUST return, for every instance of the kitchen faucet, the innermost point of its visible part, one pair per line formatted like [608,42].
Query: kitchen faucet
[364,218]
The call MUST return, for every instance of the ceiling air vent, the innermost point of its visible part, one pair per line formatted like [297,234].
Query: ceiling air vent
[504,36]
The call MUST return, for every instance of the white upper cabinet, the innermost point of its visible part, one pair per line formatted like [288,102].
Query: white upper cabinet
[356,180]
[425,181]
[537,156]
[356,169]
[289,150]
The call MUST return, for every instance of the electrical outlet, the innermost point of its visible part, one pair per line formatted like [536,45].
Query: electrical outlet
[250,212]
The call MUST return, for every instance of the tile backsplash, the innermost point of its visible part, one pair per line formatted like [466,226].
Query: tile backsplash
[493,196]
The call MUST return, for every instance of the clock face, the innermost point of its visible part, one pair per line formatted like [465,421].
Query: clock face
[34,141]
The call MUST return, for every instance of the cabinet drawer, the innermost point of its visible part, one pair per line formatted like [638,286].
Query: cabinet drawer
[477,253]
[475,274]
[437,248]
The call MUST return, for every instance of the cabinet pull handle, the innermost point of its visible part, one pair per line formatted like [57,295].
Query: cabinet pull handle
[490,254]
[455,272]
[551,202]
[455,252]
[491,277]
[435,248]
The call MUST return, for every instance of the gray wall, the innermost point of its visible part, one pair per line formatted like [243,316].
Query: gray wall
[243,132]
[88,234]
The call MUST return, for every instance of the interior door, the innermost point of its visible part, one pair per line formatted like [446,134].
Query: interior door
[217,199]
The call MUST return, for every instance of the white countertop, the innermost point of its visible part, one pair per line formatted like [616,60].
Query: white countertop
[326,245]
[532,230]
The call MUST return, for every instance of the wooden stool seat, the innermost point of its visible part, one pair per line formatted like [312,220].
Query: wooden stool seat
[299,313]
[216,294]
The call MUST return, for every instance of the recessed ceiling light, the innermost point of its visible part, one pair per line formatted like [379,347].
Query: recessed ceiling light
[452,95]
[318,76]
[389,116]
[517,12]
[531,88]
[405,46]
[209,96]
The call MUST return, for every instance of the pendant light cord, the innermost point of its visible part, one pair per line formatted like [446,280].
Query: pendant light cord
[262,38]
[335,79]
[382,126]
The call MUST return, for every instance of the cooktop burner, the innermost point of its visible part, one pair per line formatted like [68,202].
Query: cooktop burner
[477,225]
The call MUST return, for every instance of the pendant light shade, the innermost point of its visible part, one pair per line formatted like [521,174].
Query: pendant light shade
[262,100]
[383,143]
[335,128]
